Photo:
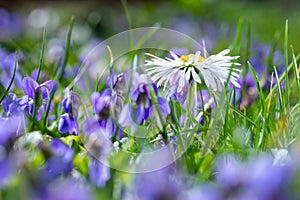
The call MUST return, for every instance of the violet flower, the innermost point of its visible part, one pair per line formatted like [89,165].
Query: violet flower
[9,166]
[68,121]
[12,105]
[66,189]
[99,147]
[60,161]
[7,63]
[11,128]
[5,171]
[161,184]
[137,114]
[41,92]
[10,24]
[143,101]
[255,179]
[102,103]
[99,173]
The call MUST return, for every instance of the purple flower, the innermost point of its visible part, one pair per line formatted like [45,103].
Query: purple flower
[118,82]
[60,160]
[67,189]
[135,115]
[257,178]
[42,92]
[67,124]
[208,191]
[99,174]
[14,106]
[68,121]
[10,163]
[43,76]
[7,63]
[161,184]
[163,106]
[143,102]
[10,128]
[5,171]
[102,103]
[178,93]
[67,101]
[10,24]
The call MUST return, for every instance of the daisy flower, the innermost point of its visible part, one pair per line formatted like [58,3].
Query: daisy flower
[214,70]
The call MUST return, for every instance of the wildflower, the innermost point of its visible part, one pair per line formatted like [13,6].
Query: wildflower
[59,159]
[68,121]
[10,165]
[34,91]
[103,119]
[7,63]
[99,147]
[11,128]
[12,105]
[99,173]
[258,178]
[101,105]
[44,76]
[143,104]
[166,182]
[77,189]
[143,101]
[10,24]
[214,69]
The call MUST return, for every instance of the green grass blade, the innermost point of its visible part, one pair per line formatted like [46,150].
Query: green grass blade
[282,77]
[67,50]
[296,74]
[12,79]
[257,84]
[286,62]
[128,18]
[42,55]
[281,101]
[238,37]
[272,51]
[248,46]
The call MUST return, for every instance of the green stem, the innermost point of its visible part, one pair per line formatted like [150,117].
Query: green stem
[12,79]
[42,56]
[67,50]
[195,98]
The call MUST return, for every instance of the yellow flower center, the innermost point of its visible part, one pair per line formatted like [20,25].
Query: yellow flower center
[56,99]
[185,58]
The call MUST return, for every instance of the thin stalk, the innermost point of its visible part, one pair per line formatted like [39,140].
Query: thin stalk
[286,60]
[41,56]
[281,78]
[195,98]
[67,50]
[12,78]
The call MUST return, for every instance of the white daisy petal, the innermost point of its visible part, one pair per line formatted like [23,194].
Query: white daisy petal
[188,74]
[195,76]
[214,69]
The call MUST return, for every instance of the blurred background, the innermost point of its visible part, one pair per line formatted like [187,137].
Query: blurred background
[210,19]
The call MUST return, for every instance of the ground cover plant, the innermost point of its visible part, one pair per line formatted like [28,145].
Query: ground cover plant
[148,113]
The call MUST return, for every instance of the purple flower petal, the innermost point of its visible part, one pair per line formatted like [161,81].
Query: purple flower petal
[99,173]
[51,87]
[67,124]
[90,126]
[29,86]
[163,106]
[135,95]
[67,101]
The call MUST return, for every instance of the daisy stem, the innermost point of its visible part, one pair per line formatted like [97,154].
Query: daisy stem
[195,98]
[190,104]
